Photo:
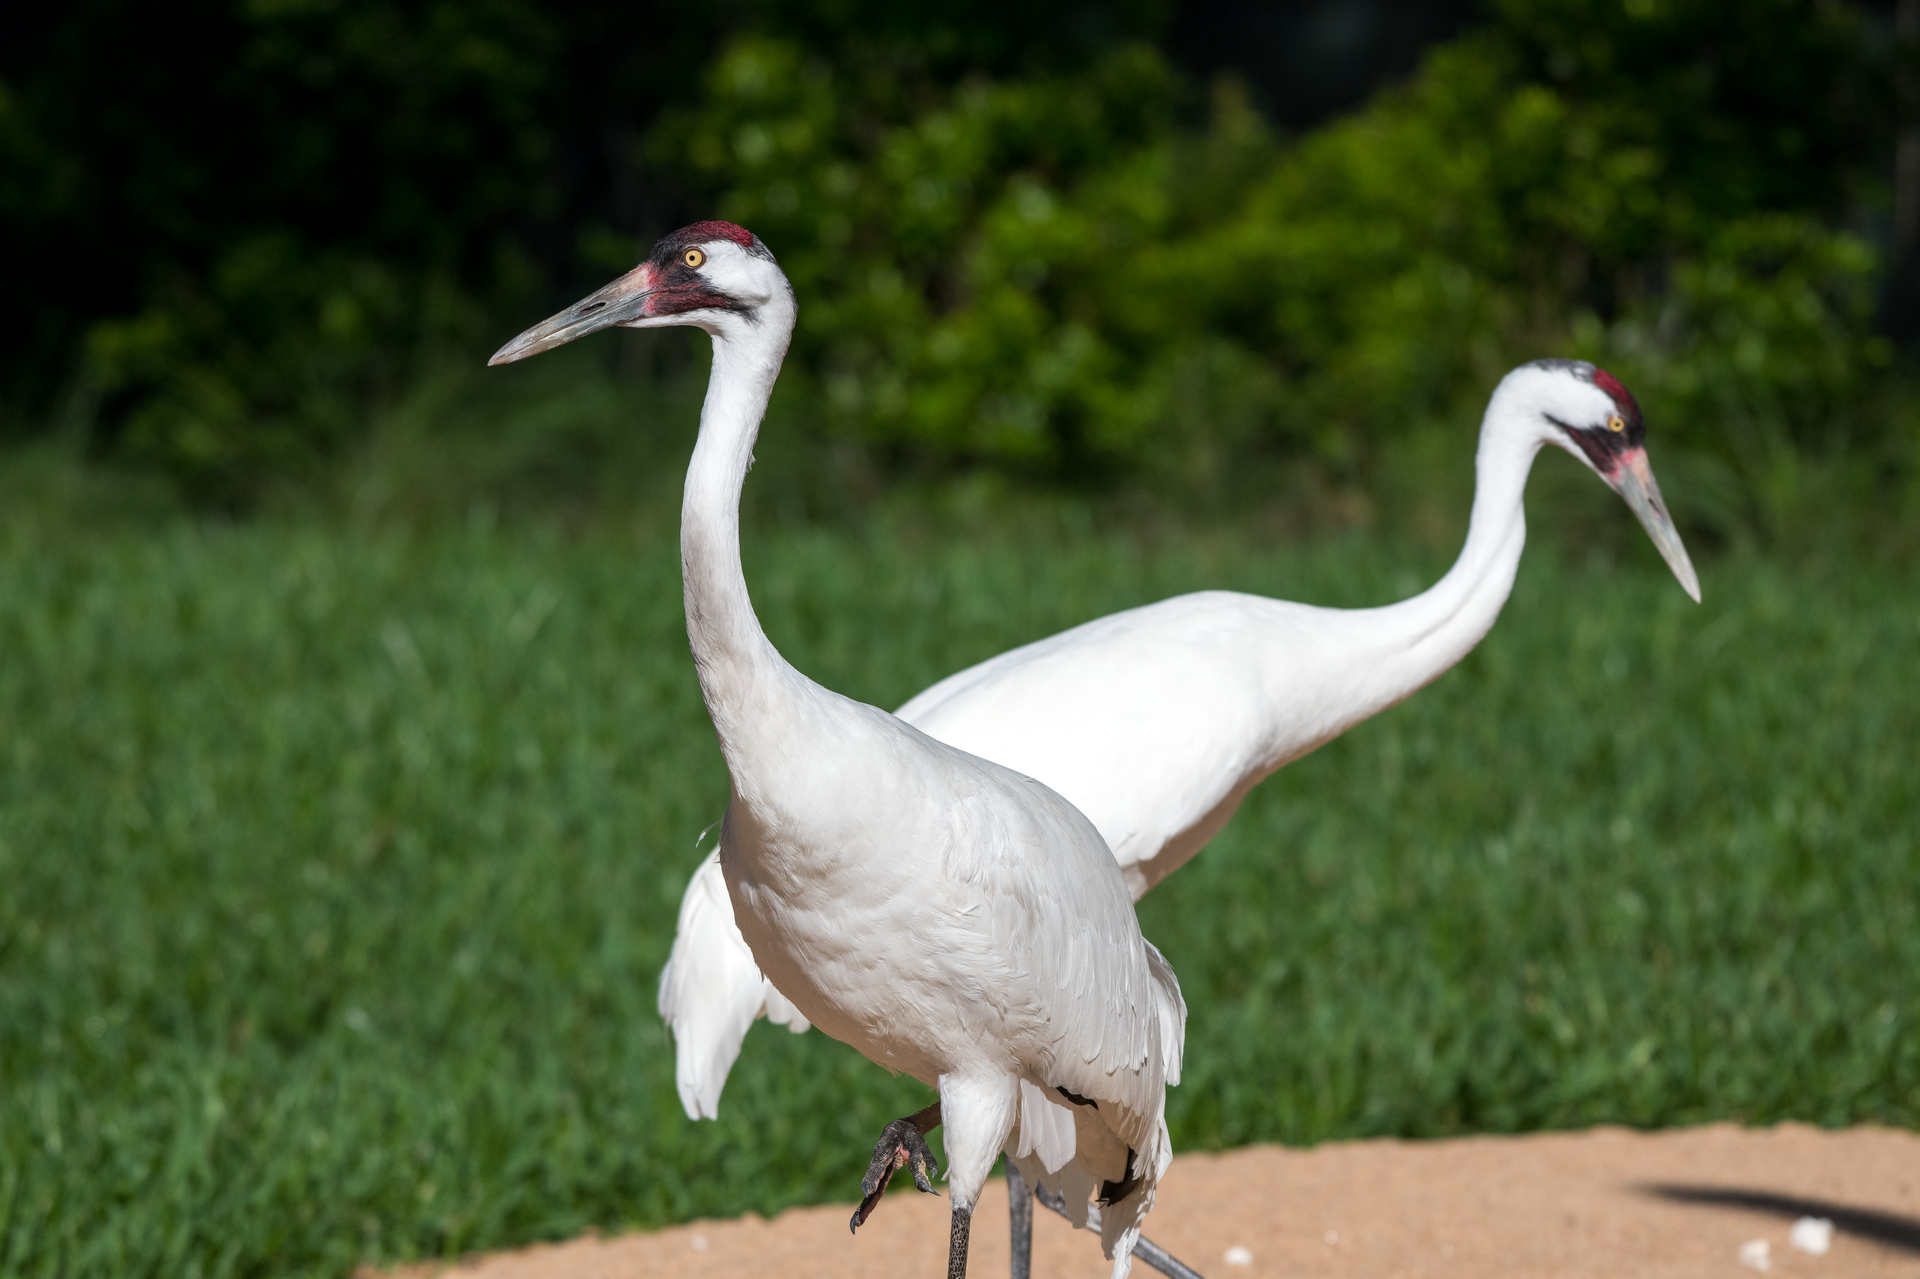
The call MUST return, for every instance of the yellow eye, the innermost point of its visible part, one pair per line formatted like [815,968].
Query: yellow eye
[1615,424]
[696,259]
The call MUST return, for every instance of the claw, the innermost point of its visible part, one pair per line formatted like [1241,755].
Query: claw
[901,1145]
[923,1168]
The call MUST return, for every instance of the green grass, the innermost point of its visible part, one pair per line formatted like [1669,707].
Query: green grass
[338,869]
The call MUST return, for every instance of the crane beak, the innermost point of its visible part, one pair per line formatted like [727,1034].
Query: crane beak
[1633,480]
[621,302]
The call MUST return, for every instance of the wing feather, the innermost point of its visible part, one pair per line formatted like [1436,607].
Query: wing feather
[711,991]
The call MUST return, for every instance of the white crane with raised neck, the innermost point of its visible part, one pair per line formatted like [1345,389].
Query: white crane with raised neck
[946,916]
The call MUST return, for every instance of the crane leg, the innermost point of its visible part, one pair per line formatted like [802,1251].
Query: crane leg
[1020,1222]
[902,1144]
[957,1244]
[1144,1249]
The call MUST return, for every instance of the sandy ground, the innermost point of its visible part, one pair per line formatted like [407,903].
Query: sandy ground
[1605,1202]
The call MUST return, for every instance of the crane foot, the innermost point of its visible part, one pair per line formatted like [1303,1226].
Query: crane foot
[903,1144]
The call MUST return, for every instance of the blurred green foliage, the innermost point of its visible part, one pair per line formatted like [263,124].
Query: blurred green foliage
[1053,274]
[269,365]
[1046,254]
[236,231]
[240,227]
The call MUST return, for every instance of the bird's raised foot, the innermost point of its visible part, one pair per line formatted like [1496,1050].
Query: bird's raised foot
[903,1144]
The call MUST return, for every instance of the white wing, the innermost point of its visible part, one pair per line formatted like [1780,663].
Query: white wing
[1155,722]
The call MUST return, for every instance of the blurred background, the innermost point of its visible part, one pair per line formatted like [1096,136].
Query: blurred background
[351,761]
[1209,254]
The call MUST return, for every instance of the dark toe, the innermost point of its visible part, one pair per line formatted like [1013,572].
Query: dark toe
[901,1145]
[921,1161]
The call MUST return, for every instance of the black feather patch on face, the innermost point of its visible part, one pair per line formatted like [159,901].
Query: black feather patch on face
[1621,432]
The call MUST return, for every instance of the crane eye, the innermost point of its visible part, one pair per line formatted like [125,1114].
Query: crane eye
[1614,423]
[694,258]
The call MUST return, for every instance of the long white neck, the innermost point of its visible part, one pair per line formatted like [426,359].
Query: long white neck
[1426,635]
[738,666]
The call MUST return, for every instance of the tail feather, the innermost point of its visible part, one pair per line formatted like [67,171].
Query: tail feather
[711,991]
[1172,1007]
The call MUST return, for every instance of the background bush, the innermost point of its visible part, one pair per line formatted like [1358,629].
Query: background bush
[1055,254]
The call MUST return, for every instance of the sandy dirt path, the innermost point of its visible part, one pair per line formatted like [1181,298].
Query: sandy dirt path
[1607,1202]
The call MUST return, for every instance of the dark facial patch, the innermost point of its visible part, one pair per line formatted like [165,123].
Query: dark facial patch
[1603,445]
[678,288]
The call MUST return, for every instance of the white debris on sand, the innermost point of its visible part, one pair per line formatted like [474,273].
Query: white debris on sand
[1753,1255]
[699,1243]
[1238,1256]
[1812,1235]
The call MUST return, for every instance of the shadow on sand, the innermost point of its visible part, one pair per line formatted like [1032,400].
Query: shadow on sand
[1890,1229]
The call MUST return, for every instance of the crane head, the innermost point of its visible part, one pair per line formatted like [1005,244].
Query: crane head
[710,275]
[1587,412]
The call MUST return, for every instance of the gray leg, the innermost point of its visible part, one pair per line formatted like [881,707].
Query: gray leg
[957,1244]
[1162,1260]
[1020,1222]
[1144,1248]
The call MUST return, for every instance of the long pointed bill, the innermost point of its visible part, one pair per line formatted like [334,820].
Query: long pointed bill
[623,300]
[1634,481]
